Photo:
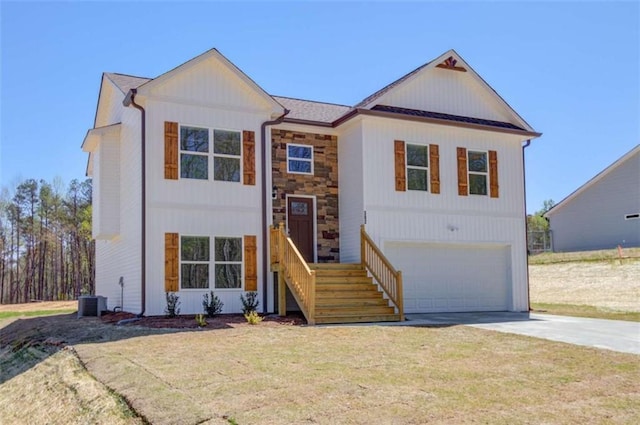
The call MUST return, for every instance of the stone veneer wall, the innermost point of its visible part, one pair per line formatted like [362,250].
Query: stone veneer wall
[323,184]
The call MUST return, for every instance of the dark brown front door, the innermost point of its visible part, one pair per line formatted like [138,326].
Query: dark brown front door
[300,221]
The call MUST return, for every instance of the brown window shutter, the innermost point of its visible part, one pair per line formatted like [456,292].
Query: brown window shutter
[463,185]
[171,263]
[250,263]
[493,174]
[249,157]
[434,165]
[401,170]
[171,150]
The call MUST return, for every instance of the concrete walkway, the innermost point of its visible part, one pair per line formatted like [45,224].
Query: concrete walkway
[616,335]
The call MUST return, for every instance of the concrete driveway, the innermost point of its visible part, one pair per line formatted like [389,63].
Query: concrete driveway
[613,335]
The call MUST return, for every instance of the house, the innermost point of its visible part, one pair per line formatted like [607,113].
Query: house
[604,212]
[192,167]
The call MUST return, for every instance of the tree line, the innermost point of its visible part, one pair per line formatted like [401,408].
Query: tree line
[46,250]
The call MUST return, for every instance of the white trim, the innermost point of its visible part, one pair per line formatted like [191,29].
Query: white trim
[485,173]
[315,220]
[310,160]
[417,167]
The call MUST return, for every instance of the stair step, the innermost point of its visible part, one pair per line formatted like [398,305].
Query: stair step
[364,294]
[341,273]
[350,302]
[358,318]
[355,286]
[364,311]
[335,266]
[343,279]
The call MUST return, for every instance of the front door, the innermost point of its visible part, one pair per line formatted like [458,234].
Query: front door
[301,226]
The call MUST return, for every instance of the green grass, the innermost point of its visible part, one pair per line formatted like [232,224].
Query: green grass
[628,255]
[9,314]
[585,311]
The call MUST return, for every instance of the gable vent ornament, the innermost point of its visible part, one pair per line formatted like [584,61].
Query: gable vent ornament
[450,63]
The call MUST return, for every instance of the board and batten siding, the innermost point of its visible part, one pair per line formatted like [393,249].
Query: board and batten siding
[447,217]
[120,256]
[106,187]
[350,197]
[595,217]
[449,92]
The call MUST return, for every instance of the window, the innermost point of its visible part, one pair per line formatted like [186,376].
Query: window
[226,155]
[228,263]
[417,167]
[194,268]
[194,153]
[478,173]
[299,159]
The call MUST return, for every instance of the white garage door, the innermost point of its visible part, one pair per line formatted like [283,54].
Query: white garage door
[452,278]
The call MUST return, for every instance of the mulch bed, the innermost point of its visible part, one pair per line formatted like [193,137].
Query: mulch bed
[222,321]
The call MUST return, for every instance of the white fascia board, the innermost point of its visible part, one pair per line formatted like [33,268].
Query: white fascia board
[94,135]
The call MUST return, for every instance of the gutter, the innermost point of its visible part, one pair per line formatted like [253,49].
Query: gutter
[526,234]
[263,177]
[129,100]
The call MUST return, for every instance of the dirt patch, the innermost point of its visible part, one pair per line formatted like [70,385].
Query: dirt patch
[605,284]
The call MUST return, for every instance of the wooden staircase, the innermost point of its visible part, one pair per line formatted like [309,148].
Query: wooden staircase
[337,293]
[346,294]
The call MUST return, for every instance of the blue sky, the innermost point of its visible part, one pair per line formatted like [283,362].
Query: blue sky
[571,69]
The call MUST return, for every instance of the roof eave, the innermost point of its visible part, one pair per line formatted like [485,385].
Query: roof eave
[438,121]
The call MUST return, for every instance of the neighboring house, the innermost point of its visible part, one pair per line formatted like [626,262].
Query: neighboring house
[204,160]
[603,213]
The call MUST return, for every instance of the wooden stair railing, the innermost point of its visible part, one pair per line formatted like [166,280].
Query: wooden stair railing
[389,279]
[293,271]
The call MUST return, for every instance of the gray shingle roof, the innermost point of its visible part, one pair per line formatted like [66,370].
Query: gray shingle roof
[312,111]
[126,82]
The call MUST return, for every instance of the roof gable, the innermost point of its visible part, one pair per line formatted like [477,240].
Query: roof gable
[632,155]
[446,85]
[211,78]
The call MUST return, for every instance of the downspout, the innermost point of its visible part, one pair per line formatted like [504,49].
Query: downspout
[526,234]
[263,176]
[130,100]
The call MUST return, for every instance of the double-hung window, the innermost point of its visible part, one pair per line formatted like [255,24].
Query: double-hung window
[478,172]
[195,152]
[299,159]
[228,263]
[417,167]
[226,155]
[195,258]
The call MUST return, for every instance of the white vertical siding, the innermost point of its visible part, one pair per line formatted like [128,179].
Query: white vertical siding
[121,255]
[446,217]
[106,181]
[594,218]
[450,92]
[350,171]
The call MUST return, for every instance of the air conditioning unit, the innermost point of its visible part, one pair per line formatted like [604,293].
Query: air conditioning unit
[91,305]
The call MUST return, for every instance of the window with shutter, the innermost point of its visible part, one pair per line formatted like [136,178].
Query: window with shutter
[171,262]
[493,174]
[249,158]
[462,172]
[434,162]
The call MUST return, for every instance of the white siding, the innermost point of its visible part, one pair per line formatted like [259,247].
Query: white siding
[110,107]
[447,217]
[210,83]
[449,92]
[594,218]
[106,188]
[351,200]
[121,256]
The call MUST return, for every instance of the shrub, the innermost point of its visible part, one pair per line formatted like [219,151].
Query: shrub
[200,320]
[249,303]
[253,318]
[212,304]
[173,305]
